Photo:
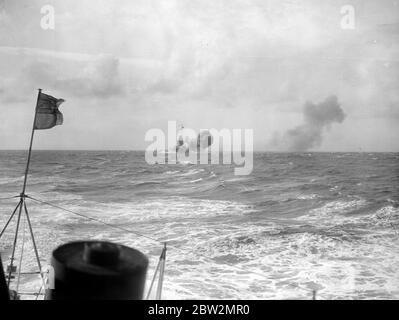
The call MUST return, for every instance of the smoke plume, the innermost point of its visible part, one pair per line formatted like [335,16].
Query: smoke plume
[317,118]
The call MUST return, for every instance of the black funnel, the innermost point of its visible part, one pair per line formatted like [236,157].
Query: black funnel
[97,270]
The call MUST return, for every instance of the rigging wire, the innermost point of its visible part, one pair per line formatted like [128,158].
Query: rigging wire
[96,220]
[22,253]
[7,198]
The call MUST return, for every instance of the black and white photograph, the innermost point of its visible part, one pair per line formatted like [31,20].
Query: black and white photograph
[201,150]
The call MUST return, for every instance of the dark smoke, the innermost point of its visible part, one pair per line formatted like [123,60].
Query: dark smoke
[317,117]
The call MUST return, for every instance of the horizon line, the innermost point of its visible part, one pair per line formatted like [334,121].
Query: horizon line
[271,151]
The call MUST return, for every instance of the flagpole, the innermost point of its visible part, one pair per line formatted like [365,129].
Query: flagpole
[22,205]
[30,146]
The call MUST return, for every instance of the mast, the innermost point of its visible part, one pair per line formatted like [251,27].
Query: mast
[30,145]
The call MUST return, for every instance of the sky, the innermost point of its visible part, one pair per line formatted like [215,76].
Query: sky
[128,66]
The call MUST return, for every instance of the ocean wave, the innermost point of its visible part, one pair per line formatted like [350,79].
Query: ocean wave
[308,196]
[192,172]
[333,211]
[212,175]
[186,163]
[293,264]
[8,180]
[172,172]
[196,180]
[277,233]
[145,183]
[388,214]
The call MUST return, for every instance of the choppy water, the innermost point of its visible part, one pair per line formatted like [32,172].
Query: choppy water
[300,221]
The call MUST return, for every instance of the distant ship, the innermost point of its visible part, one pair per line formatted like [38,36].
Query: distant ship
[184,143]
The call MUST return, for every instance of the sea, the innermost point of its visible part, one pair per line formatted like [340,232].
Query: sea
[301,226]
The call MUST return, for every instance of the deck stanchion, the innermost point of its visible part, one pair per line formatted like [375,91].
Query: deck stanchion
[162,261]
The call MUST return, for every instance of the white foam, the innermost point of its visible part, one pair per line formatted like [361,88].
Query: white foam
[333,211]
[220,255]
[308,196]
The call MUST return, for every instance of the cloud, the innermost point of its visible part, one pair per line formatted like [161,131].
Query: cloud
[317,118]
[96,77]
[208,64]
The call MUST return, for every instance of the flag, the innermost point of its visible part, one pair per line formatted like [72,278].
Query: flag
[47,113]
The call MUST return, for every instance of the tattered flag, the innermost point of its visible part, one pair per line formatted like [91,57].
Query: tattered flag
[47,113]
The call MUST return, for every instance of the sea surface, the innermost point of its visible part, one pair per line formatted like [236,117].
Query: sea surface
[300,222]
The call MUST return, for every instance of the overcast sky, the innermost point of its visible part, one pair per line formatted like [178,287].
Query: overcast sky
[126,66]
